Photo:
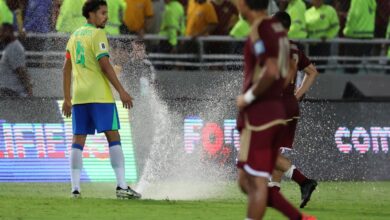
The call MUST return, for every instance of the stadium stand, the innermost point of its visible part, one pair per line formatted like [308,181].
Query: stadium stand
[46,50]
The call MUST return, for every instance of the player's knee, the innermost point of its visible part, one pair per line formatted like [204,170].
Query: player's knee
[277,175]
[283,163]
[243,183]
[77,146]
[243,188]
[112,136]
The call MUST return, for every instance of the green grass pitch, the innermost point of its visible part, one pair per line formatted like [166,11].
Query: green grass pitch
[331,200]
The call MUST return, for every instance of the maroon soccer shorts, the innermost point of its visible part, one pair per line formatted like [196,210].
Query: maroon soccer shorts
[259,148]
[288,134]
[292,115]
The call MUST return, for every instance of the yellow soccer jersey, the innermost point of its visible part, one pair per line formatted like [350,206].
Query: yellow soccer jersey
[86,46]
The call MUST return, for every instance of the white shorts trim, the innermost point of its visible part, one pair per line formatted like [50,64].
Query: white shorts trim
[289,172]
[253,172]
[272,184]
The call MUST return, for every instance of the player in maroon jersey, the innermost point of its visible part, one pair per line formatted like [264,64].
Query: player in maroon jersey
[290,98]
[261,109]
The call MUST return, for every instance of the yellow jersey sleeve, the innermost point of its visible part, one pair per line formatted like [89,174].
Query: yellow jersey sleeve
[100,45]
[68,46]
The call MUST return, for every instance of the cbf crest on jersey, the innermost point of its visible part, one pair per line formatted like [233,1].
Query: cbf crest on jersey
[103,46]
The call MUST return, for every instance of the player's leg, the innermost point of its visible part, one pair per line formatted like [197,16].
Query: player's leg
[116,157]
[284,165]
[105,118]
[258,167]
[281,166]
[276,179]
[285,140]
[278,202]
[242,158]
[82,125]
[76,163]
[257,196]
[118,164]
[251,177]
[290,171]
[243,181]
[275,198]
[307,185]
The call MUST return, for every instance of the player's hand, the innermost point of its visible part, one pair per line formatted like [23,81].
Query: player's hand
[240,101]
[299,97]
[67,108]
[127,100]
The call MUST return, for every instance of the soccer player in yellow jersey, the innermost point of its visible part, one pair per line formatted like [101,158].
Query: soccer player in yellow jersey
[93,106]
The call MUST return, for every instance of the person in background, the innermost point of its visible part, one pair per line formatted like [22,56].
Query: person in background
[37,18]
[14,79]
[116,9]
[388,46]
[6,15]
[172,26]
[18,7]
[341,7]
[296,9]
[360,24]
[321,23]
[55,12]
[137,75]
[70,17]
[158,12]
[201,21]
[136,68]
[272,7]
[241,29]
[154,25]
[292,94]
[188,5]
[227,16]
[201,18]
[137,17]
[381,18]
[381,21]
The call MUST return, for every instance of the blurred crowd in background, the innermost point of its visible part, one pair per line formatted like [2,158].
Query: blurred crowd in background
[311,19]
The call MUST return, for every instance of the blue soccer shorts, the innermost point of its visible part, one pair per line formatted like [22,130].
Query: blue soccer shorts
[91,117]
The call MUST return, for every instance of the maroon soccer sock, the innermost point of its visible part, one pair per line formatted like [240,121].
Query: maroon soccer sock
[278,202]
[277,188]
[298,177]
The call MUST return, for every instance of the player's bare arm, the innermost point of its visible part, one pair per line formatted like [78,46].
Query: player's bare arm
[67,79]
[108,70]
[311,74]
[265,81]
[25,79]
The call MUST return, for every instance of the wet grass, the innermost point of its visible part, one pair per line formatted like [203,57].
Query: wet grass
[332,200]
